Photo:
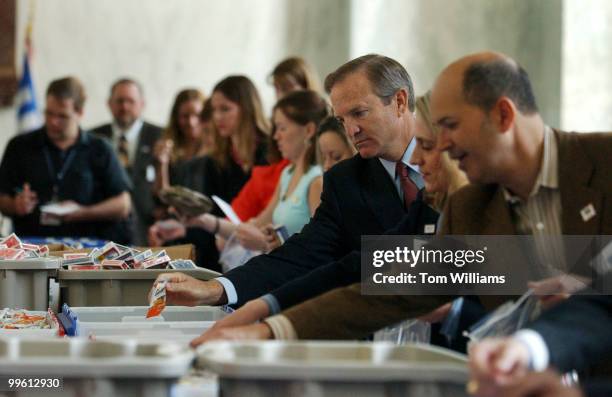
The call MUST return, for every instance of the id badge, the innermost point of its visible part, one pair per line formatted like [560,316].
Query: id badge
[150,174]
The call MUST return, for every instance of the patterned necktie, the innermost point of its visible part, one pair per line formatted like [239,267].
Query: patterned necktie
[122,151]
[409,188]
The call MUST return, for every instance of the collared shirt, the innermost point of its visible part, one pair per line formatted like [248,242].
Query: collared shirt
[131,135]
[415,176]
[540,214]
[415,173]
[92,174]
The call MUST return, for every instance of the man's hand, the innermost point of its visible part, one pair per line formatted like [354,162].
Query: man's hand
[184,290]
[497,362]
[539,384]
[251,237]
[79,213]
[246,332]
[25,201]
[248,314]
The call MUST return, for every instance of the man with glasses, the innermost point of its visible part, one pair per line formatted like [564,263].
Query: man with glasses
[63,165]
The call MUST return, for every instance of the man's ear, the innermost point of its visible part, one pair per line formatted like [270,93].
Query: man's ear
[504,114]
[401,99]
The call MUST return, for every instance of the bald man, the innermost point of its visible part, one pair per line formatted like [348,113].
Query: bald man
[523,174]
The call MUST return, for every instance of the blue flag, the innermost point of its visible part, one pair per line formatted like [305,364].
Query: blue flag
[28,114]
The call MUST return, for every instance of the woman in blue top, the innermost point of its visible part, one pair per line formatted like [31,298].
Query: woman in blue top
[295,121]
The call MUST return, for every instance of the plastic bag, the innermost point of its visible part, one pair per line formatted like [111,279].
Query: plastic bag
[234,254]
[506,319]
[407,331]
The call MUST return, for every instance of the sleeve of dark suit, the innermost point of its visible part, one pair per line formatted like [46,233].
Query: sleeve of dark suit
[348,269]
[577,331]
[333,275]
[344,313]
[317,244]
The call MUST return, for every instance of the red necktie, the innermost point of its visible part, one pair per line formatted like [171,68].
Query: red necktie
[409,188]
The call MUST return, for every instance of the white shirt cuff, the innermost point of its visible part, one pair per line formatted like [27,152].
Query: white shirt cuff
[230,291]
[281,327]
[538,351]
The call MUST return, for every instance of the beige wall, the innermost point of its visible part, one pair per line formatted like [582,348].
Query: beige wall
[170,45]
[426,35]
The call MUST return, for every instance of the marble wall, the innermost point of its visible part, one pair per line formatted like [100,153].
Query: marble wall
[426,35]
[564,45]
[586,95]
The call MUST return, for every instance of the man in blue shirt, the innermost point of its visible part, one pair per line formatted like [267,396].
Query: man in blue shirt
[62,164]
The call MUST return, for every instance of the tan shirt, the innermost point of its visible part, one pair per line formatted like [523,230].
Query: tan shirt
[540,214]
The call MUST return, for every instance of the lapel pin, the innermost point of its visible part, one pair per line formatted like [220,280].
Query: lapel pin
[430,229]
[587,212]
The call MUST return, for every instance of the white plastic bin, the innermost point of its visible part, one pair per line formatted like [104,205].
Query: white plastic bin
[126,314]
[24,284]
[177,323]
[96,368]
[334,369]
[115,287]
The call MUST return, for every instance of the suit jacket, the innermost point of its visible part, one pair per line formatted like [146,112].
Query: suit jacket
[142,195]
[577,331]
[348,269]
[358,198]
[584,164]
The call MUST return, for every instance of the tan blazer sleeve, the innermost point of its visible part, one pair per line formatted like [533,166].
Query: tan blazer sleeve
[344,313]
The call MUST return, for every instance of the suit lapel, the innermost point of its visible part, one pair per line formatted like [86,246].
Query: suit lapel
[380,194]
[581,205]
[144,149]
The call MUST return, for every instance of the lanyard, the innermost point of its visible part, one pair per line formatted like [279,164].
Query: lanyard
[58,177]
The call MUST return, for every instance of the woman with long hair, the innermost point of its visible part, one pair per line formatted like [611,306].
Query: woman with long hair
[296,118]
[181,140]
[240,131]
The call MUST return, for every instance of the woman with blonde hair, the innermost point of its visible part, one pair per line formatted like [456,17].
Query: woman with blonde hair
[441,176]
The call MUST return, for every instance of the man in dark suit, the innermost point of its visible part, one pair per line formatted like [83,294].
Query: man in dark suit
[373,96]
[490,123]
[133,140]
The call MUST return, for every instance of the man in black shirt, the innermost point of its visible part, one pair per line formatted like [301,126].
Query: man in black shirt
[62,164]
